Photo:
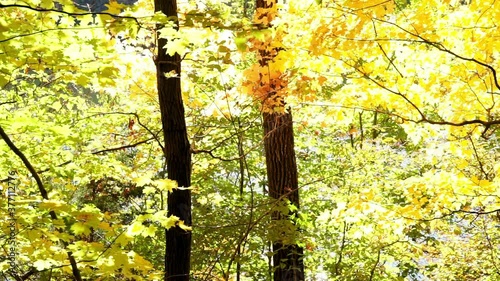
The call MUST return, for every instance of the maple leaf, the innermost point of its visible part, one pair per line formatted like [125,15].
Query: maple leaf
[80,228]
[42,264]
[135,228]
[166,184]
[150,231]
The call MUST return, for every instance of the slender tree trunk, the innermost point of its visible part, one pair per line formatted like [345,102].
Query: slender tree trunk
[177,153]
[282,179]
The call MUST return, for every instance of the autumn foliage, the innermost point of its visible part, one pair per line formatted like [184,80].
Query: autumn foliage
[395,134]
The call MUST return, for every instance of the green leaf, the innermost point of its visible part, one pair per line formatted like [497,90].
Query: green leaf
[241,43]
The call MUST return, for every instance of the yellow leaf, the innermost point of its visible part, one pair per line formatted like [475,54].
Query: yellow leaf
[481,183]
[149,189]
[183,226]
[171,74]
[42,264]
[149,231]
[166,184]
[143,180]
[80,228]
[135,228]
[169,222]
[53,205]
[178,46]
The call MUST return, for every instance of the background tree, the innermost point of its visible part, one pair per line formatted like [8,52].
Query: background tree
[279,152]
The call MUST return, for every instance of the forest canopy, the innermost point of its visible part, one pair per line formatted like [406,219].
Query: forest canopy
[249,140]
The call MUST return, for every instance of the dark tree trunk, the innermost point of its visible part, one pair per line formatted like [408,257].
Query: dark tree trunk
[177,153]
[282,179]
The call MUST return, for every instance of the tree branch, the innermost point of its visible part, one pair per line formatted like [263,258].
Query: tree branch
[7,102]
[43,192]
[123,147]
[155,136]
[46,30]
[37,9]
[423,118]
[441,47]
[26,163]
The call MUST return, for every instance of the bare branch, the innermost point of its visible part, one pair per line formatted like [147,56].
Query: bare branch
[7,102]
[123,147]
[155,136]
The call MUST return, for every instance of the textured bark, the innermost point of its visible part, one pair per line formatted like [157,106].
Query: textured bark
[282,179]
[283,184]
[177,154]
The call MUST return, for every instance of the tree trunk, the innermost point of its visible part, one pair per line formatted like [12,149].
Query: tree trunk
[283,184]
[282,179]
[177,153]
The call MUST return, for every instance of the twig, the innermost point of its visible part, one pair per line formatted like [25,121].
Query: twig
[37,9]
[123,146]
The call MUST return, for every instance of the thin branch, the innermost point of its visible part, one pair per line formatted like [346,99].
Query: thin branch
[252,225]
[391,61]
[37,9]
[242,165]
[478,159]
[423,118]
[371,6]
[108,246]
[210,152]
[491,251]
[94,153]
[7,102]
[367,76]
[26,163]
[47,30]
[338,264]
[453,212]
[123,146]
[29,273]
[441,47]
[372,271]
[155,136]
